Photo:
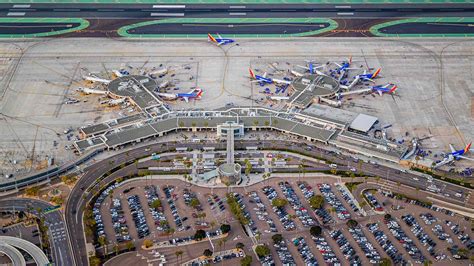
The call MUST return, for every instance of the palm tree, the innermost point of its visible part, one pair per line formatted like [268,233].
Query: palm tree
[178,254]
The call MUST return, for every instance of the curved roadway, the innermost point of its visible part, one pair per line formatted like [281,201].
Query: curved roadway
[13,254]
[78,197]
[35,252]
[59,239]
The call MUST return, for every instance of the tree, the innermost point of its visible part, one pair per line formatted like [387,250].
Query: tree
[156,204]
[58,200]
[94,261]
[116,249]
[387,216]
[130,245]
[262,250]
[246,261]
[32,191]
[277,238]
[178,254]
[225,228]
[279,202]
[194,203]
[385,262]
[199,235]
[239,245]
[148,243]
[315,230]
[316,201]
[352,223]
[207,252]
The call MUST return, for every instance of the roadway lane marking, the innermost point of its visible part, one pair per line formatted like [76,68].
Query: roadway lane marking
[236,6]
[66,9]
[21,6]
[345,13]
[169,6]
[237,14]
[342,6]
[110,10]
[167,14]
[16,14]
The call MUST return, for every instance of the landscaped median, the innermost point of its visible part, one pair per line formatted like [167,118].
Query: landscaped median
[125,31]
[70,25]
[377,30]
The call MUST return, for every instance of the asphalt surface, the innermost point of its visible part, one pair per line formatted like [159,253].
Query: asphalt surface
[224,10]
[427,28]
[29,28]
[247,28]
[59,239]
[107,18]
[78,197]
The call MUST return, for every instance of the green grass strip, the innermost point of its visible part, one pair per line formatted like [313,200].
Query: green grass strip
[82,25]
[332,25]
[376,29]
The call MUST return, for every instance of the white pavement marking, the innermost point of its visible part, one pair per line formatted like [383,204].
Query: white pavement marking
[169,6]
[21,6]
[345,13]
[17,14]
[237,14]
[236,6]
[342,6]
[167,14]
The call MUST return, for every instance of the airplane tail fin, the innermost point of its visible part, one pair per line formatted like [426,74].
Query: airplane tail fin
[311,69]
[212,39]
[468,146]
[376,73]
[251,73]
[393,89]
[199,93]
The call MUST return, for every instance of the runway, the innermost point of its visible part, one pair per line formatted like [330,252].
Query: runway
[106,19]
[31,28]
[248,28]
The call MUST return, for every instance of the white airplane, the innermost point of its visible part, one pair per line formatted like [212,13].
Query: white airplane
[96,79]
[92,91]
[168,96]
[454,155]
[312,68]
[264,79]
[116,101]
[164,84]
[120,73]
[159,72]
[193,94]
[296,73]
[353,83]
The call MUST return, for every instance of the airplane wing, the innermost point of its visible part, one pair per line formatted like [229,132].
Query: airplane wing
[452,148]
[466,158]
[220,37]
[186,99]
[281,81]
[371,80]
[337,64]
[304,67]
[220,43]
[264,75]
[380,92]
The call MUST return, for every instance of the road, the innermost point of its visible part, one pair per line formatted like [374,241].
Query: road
[59,239]
[78,198]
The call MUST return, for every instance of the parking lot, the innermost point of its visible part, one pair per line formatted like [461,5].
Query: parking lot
[407,233]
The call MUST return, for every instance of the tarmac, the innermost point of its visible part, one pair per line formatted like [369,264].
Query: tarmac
[432,74]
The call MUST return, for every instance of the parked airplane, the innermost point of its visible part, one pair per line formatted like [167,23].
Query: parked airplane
[369,76]
[92,91]
[168,96]
[387,88]
[193,94]
[116,101]
[96,79]
[120,73]
[159,72]
[345,65]
[219,41]
[312,68]
[264,79]
[455,155]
